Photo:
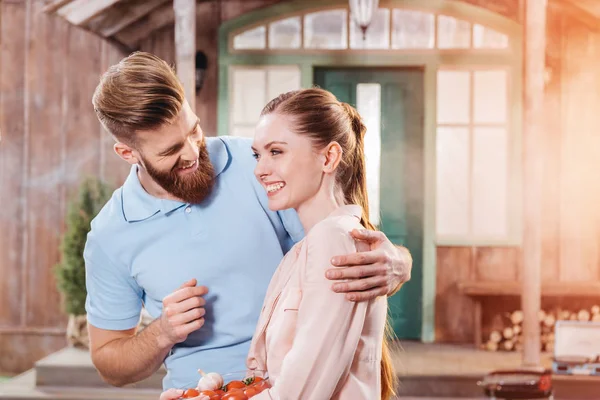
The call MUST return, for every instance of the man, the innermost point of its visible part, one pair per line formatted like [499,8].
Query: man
[190,212]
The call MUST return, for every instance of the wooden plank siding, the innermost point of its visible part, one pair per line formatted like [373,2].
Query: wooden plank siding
[51,139]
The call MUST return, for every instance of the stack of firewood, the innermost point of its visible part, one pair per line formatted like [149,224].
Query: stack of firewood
[510,338]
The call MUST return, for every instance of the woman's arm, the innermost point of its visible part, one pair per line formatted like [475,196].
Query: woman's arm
[328,326]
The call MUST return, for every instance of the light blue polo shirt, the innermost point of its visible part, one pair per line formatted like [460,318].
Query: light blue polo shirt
[142,248]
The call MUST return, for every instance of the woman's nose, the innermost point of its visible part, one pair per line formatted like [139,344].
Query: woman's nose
[261,170]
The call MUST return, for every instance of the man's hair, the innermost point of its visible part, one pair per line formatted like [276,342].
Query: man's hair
[141,92]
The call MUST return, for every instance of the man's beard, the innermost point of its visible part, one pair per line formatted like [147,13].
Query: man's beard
[190,188]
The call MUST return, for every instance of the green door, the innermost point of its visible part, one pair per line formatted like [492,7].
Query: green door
[401,171]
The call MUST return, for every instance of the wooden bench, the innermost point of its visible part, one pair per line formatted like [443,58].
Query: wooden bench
[479,290]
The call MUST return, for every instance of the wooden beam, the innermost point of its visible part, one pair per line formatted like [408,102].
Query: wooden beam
[128,15]
[185,47]
[79,12]
[133,34]
[533,173]
[55,5]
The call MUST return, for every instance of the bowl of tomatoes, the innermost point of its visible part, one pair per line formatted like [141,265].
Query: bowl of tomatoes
[242,385]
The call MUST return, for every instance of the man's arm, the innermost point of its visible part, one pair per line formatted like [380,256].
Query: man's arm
[124,357]
[379,272]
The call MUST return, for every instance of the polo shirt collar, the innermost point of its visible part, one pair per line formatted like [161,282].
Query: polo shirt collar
[139,205]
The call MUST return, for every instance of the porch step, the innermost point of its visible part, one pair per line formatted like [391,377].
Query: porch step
[73,367]
[23,387]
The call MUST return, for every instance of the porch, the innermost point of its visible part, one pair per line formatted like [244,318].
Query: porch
[425,371]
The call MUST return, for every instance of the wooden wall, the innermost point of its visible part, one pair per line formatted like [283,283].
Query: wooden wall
[50,140]
[571,218]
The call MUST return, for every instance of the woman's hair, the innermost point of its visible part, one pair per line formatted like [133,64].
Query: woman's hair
[319,115]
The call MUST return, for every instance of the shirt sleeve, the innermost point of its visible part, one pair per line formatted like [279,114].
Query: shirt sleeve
[114,300]
[328,327]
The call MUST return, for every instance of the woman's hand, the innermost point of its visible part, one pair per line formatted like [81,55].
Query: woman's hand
[171,394]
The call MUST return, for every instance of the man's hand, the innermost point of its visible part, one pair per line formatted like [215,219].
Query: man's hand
[379,271]
[183,313]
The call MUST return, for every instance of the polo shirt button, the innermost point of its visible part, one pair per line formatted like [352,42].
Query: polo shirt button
[188,209]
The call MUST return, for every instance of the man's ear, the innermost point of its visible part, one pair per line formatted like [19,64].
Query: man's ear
[333,156]
[126,153]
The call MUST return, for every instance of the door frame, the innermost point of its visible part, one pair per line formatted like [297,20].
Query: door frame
[429,61]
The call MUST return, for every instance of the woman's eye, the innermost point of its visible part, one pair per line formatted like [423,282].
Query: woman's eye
[256,156]
[275,152]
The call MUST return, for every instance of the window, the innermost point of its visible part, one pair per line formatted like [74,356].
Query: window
[368,104]
[392,29]
[472,155]
[254,88]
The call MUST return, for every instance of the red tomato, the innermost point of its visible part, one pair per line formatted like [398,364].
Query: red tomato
[235,385]
[251,391]
[190,394]
[235,395]
[220,392]
[261,386]
[211,394]
[258,379]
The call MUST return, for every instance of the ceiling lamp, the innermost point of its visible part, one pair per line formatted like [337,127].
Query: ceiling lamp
[363,11]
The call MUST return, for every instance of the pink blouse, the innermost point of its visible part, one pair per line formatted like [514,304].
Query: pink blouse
[313,342]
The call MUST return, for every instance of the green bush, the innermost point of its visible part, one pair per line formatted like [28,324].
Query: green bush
[70,272]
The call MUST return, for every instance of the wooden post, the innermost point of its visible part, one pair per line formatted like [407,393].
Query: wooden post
[185,47]
[533,138]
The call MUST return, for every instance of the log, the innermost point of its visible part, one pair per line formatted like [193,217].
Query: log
[549,320]
[517,329]
[595,309]
[516,317]
[508,345]
[596,318]
[583,315]
[564,315]
[541,315]
[495,337]
[508,333]
[491,346]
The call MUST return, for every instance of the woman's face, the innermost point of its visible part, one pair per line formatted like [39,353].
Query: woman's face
[288,166]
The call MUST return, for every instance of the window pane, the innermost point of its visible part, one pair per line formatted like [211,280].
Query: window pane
[452,209]
[252,39]
[453,33]
[412,30]
[490,170]
[243,131]
[285,34]
[368,104]
[486,38]
[248,92]
[326,30]
[453,97]
[378,33]
[490,105]
[282,80]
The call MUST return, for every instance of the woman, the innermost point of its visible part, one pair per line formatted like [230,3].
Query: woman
[312,341]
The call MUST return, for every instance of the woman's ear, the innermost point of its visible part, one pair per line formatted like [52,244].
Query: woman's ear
[126,153]
[333,156]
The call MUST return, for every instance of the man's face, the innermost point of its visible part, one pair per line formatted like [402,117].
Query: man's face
[175,157]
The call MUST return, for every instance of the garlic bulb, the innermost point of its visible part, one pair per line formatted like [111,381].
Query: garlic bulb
[210,381]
